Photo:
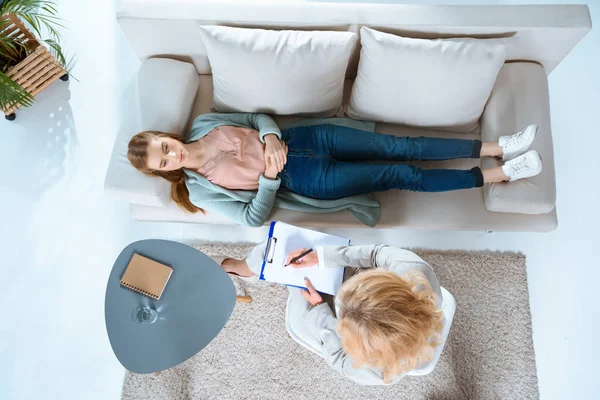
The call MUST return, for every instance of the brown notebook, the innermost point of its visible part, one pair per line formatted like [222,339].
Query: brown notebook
[146,277]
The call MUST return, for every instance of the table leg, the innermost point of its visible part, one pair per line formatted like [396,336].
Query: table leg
[243,299]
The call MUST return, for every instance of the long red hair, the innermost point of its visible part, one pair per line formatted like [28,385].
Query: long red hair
[137,154]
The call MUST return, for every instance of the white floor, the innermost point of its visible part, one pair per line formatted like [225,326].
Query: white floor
[60,234]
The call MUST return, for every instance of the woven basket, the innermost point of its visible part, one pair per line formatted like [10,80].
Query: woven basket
[39,69]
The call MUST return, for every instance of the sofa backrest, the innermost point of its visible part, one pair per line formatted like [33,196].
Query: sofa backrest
[169,28]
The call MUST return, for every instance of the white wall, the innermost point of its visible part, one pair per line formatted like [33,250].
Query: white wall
[60,234]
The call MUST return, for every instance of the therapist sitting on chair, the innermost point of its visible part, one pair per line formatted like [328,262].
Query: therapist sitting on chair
[392,318]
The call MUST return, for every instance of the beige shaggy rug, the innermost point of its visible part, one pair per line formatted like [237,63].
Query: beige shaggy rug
[489,353]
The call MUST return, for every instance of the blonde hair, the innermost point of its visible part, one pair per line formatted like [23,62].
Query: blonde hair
[137,154]
[389,322]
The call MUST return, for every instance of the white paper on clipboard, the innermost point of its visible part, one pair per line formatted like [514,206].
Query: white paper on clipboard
[286,238]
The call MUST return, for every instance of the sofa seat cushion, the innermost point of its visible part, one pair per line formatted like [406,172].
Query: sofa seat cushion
[520,98]
[457,210]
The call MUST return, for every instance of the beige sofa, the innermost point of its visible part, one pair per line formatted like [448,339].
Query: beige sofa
[168,94]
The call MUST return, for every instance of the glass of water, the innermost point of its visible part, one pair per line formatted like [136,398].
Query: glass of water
[144,315]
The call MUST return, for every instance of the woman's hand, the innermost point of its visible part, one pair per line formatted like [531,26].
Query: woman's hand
[271,170]
[311,295]
[307,261]
[275,152]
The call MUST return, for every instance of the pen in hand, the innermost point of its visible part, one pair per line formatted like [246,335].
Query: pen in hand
[293,260]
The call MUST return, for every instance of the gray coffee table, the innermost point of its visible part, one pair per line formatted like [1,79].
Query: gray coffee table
[194,307]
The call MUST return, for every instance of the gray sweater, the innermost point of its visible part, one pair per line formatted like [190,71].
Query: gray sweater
[322,323]
[253,207]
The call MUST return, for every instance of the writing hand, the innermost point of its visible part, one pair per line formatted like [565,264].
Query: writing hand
[307,261]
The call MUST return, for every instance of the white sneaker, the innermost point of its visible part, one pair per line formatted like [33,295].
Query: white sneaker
[524,166]
[515,145]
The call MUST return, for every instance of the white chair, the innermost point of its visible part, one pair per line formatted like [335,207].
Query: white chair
[293,322]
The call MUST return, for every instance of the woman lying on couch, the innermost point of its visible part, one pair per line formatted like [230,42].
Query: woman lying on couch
[235,164]
[393,318]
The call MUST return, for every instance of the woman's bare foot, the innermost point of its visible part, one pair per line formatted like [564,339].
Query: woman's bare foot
[236,267]
[494,175]
[490,149]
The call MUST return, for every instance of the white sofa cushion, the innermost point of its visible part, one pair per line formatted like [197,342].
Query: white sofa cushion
[442,83]
[278,72]
[162,101]
[520,98]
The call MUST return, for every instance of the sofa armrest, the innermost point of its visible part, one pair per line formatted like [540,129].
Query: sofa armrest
[162,100]
[520,97]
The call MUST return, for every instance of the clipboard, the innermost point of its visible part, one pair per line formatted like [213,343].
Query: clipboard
[269,250]
[326,280]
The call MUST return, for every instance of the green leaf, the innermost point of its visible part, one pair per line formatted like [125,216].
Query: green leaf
[11,94]
[36,13]
[57,52]
[41,17]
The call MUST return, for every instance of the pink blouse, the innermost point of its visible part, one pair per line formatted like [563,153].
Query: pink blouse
[235,157]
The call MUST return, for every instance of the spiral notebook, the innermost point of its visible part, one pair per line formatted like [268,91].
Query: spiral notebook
[146,277]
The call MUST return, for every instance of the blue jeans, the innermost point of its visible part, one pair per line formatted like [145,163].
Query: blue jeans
[322,162]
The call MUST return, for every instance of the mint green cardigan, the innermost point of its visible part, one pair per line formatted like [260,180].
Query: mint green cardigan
[252,207]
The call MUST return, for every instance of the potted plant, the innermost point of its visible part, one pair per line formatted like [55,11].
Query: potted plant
[31,57]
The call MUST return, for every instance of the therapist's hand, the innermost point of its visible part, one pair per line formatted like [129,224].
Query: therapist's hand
[311,295]
[307,261]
